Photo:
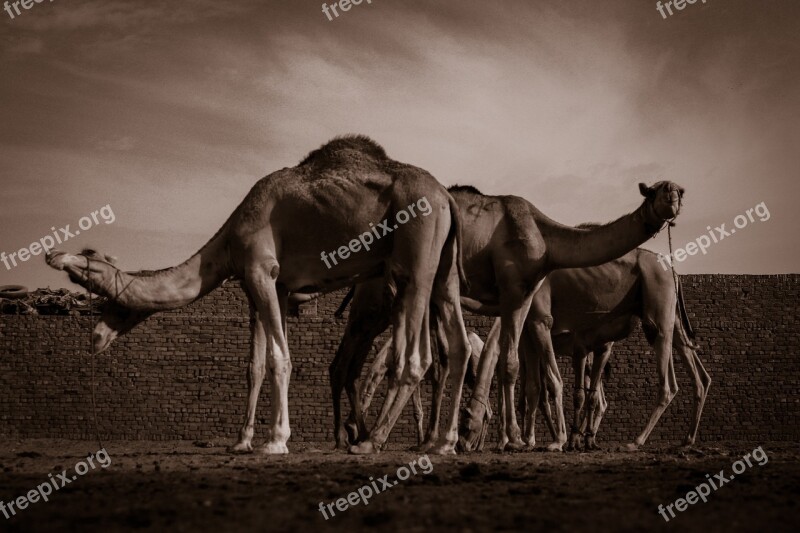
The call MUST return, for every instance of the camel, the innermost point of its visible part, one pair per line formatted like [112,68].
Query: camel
[379,368]
[591,308]
[509,247]
[273,241]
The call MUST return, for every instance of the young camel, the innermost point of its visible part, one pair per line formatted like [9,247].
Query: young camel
[509,247]
[273,242]
[380,367]
[591,308]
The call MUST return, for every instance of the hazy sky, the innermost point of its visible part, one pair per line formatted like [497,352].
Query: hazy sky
[170,111]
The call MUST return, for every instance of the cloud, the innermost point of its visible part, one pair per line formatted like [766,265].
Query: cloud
[171,111]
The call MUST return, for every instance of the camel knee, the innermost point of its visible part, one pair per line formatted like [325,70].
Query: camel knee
[665,396]
[509,369]
[578,398]
[333,371]
[706,384]
[543,324]
[257,372]
[602,406]
[595,403]
[415,372]
[701,389]
[555,385]
[509,374]
[460,352]
[280,366]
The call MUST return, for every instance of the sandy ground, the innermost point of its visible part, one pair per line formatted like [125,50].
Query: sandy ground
[183,486]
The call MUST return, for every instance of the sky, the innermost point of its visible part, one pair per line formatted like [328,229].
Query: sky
[168,112]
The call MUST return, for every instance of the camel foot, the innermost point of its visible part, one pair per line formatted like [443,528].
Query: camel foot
[514,445]
[241,447]
[351,430]
[342,439]
[688,441]
[630,447]
[501,446]
[555,447]
[443,449]
[574,442]
[422,447]
[591,444]
[363,448]
[470,442]
[274,448]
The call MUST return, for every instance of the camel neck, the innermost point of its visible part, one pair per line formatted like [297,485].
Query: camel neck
[176,286]
[569,247]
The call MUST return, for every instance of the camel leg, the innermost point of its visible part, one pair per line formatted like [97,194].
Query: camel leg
[540,331]
[369,317]
[578,399]
[256,371]
[455,350]
[438,375]
[376,374]
[474,414]
[411,275]
[596,404]
[544,405]
[702,381]
[534,392]
[411,361]
[587,381]
[511,324]
[668,385]
[270,300]
[598,412]
[418,415]
[542,381]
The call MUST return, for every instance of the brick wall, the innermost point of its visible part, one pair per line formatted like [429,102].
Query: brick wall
[181,375]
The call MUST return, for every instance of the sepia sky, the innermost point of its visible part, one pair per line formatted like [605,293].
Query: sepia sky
[170,111]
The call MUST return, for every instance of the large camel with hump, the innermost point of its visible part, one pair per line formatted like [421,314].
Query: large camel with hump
[509,246]
[273,241]
[590,309]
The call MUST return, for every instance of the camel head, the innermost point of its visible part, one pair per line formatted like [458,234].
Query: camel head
[664,198]
[472,429]
[96,272]
[89,269]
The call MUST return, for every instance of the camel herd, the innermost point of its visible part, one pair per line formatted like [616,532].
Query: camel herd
[553,289]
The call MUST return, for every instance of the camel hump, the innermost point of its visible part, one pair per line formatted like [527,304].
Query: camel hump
[335,149]
[464,188]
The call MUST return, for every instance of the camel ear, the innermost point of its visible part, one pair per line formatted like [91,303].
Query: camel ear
[645,190]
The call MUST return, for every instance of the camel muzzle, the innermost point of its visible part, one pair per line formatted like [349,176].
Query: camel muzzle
[56,259]
[102,338]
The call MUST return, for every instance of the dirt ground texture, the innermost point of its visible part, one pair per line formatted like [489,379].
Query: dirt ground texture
[184,486]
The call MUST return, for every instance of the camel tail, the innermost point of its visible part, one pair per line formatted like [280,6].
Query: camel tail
[687,326]
[455,230]
[345,302]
